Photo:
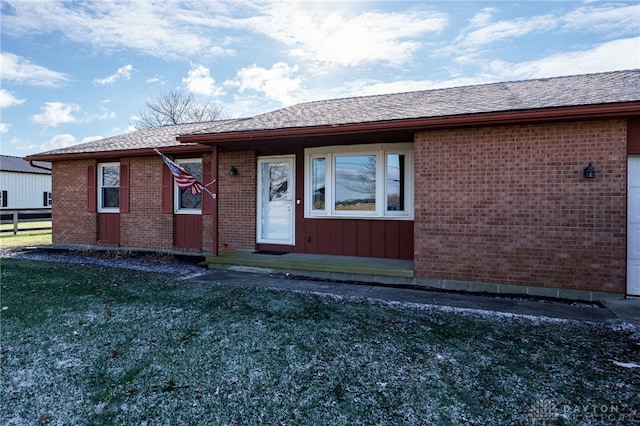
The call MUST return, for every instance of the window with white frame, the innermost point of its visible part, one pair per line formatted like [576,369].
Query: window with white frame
[359,181]
[109,187]
[185,201]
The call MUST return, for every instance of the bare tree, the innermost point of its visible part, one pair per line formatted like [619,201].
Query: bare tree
[175,107]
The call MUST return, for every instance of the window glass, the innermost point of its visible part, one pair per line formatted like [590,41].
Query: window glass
[109,182]
[359,181]
[355,183]
[278,182]
[186,200]
[395,182]
[318,183]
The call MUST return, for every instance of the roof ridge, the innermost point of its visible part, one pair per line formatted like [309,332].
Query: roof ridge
[527,80]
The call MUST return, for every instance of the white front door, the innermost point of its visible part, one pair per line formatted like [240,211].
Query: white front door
[633,227]
[276,208]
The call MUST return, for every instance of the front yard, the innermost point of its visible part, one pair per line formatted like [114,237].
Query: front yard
[83,344]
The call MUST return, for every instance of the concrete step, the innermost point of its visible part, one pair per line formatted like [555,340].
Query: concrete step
[339,268]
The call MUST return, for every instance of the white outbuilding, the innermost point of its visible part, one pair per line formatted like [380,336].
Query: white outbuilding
[24,185]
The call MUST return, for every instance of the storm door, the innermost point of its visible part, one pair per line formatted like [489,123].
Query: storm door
[275,200]
[633,227]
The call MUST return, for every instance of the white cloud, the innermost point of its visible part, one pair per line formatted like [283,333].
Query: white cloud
[247,105]
[103,114]
[54,113]
[605,19]
[277,83]
[501,30]
[483,17]
[8,99]
[200,81]
[20,70]
[614,55]
[59,141]
[91,138]
[318,33]
[122,72]
[4,128]
[161,29]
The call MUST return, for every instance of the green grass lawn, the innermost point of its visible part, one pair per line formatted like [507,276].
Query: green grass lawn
[83,344]
[25,239]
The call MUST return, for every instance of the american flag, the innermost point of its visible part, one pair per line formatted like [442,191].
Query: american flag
[183,179]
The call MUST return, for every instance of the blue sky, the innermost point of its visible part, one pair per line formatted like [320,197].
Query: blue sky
[77,71]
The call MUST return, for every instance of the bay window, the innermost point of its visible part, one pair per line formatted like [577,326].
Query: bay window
[359,181]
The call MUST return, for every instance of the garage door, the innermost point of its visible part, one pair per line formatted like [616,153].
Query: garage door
[633,227]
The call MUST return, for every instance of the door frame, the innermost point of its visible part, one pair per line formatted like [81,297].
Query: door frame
[633,273]
[291,159]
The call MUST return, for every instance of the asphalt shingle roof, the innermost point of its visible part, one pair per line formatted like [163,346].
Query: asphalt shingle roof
[589,89]
[154,137]
[580,90]
[16,164]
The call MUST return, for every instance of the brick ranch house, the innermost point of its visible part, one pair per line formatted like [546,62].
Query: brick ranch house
[481,187]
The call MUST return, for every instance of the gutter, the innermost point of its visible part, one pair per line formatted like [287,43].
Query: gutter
[140,152]
[35,166]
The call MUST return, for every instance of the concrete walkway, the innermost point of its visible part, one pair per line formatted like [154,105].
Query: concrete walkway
[627,310]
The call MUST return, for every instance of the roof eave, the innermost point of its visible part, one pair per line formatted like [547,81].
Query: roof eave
[427,123]
[142,152]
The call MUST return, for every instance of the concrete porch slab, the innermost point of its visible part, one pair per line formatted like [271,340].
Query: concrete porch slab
[328,267]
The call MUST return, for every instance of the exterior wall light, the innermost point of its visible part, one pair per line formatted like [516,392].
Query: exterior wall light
[234,172]
[589,172]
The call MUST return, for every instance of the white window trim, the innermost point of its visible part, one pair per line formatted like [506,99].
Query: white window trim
[381,151]
[101,209]
[176,190]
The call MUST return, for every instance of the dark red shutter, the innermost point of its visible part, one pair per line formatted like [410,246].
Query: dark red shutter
[124,187]
[91,188]
[633,136]
[167,189]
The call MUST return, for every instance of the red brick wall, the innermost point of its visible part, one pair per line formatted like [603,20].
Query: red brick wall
[510,205]
[72,224]
[237,201]
[145,226]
